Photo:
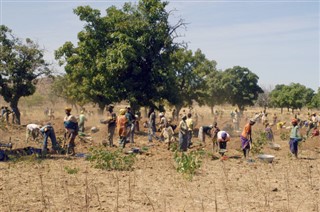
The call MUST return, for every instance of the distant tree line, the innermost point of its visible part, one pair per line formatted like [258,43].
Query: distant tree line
[131,54]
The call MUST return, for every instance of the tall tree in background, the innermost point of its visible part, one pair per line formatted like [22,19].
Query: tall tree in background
[190,71]
[315,101]
[21,64]
[293,96]
[241,87]
[123,55]
[216,94]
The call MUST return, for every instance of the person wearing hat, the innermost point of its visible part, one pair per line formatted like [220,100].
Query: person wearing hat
[246,138]
[222,138]
[122,127]
[295,137]
[183,134]
[82,119]
[71,130]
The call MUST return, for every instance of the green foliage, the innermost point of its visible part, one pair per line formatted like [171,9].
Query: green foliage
[71,170]
[107,160]
[190,72]
[315,101]
[284,136]
[240,87]
[215,89]
[293,96]
[123,55]
[258,144]
[173,146]
[188,163]
[21,64]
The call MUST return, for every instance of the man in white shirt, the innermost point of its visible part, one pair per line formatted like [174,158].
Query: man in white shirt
[32,130]
[222,138]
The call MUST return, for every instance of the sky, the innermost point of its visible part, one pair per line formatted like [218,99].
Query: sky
[277,40]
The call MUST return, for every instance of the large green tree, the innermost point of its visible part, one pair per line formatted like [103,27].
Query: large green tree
[190,71]
[215,89]
[315,101]
[293,96]
[123,55]
[21,63]
[240,86]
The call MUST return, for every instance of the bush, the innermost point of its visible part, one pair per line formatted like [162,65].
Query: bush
[71,170]
[261,140]
[284,136]
[107,160]
[188,163]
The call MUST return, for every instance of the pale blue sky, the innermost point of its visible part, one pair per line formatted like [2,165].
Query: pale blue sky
[277,40]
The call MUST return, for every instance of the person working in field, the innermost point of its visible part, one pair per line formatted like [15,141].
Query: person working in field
[71,130]
[190,126]
[122,128]
[130,124]
[82,120]
[111,124]
[183,134]
[269,132]
[33,131]
[48,132]
[167,134]
[222,138]
[295,137]
[246,138]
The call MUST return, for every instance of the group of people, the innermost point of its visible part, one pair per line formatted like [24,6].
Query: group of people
[47,131]
[125,123]
[5,114]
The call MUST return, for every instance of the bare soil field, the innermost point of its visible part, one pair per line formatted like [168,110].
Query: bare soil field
[287,184]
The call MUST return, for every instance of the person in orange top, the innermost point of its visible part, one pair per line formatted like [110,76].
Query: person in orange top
[246,137]
[122,130]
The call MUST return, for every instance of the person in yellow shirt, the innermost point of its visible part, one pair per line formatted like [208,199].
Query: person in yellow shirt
[280,124]
[190,128]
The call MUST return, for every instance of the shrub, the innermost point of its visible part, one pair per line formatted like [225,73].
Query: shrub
[188,163]
[106,160]
[71,170]
[284,136]
[261,140]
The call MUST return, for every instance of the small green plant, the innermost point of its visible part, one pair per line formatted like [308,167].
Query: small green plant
[188,163]
[174,146]
[71,170]
[145,148]
[261,140]
[284,136]
[107,160]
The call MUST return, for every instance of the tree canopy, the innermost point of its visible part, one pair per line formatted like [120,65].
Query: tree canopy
[21,64]
[123,55]
[240,86]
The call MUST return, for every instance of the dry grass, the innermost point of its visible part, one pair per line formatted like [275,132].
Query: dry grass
[154,184]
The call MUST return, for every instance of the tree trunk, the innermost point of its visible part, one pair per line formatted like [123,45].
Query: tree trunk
[15,112]
[101,108]
[145,111]
[178,108]
[281,110]
[211,109]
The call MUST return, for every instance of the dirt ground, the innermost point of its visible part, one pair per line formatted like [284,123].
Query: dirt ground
[234,184]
